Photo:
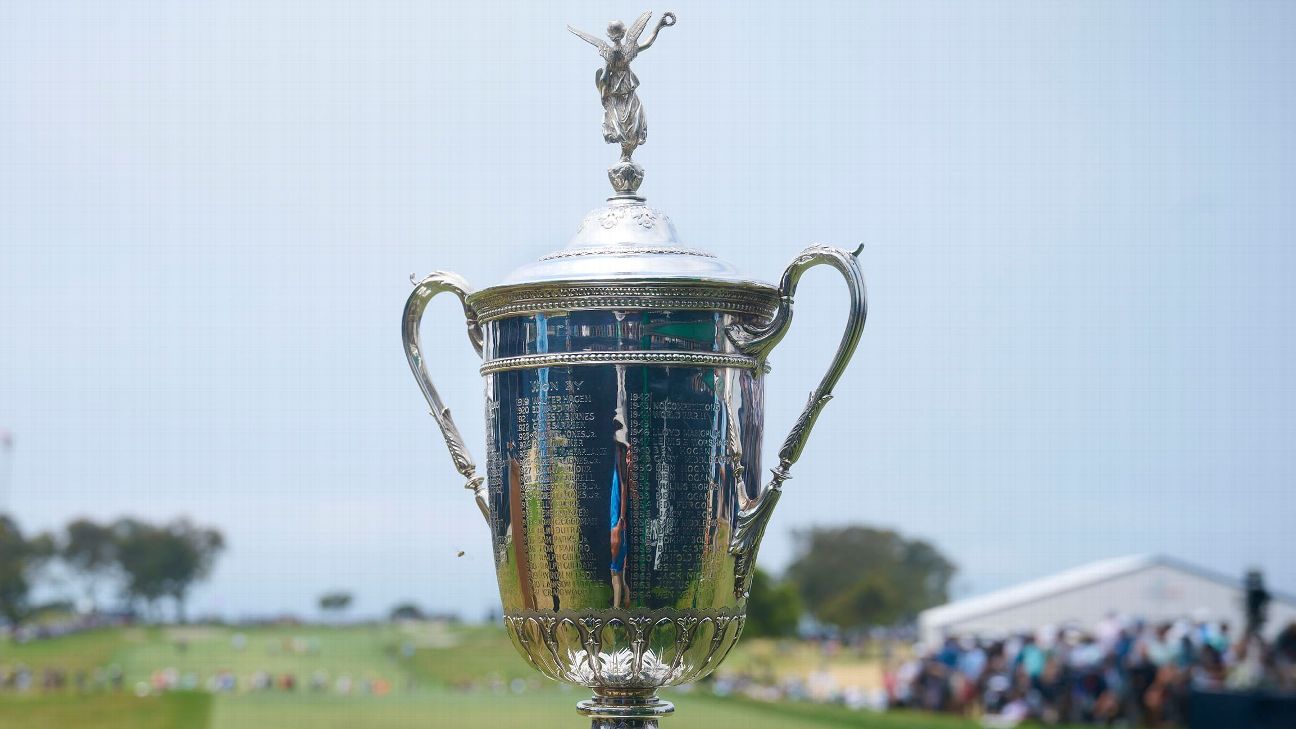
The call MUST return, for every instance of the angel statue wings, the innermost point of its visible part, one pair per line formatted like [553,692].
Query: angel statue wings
[623,116]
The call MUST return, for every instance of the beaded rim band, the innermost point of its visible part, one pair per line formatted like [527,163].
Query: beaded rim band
[500,302]
[658,358]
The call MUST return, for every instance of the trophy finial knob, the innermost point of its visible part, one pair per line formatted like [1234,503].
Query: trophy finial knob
[623,115]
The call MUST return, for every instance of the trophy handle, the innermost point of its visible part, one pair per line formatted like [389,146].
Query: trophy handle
[759,341]
[435,283]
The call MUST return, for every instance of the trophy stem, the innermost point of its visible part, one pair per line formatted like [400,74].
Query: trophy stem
[611,709]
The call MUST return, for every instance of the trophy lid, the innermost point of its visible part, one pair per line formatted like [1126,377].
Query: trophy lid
[626,241]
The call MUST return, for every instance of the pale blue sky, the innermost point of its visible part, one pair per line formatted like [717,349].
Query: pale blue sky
[1079,223]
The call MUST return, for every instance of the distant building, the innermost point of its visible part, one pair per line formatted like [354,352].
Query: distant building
[1153,588]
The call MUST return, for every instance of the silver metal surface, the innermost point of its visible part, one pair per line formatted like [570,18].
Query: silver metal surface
[661,359]
[624,241]
[758,341]
[623,115]
[624,385]
[623,445]
[435,283]
[614,491]
[666,294]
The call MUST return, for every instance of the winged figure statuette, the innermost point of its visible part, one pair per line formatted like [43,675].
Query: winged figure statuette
[623,115]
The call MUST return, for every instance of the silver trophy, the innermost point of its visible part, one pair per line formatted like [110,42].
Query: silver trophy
[624,379]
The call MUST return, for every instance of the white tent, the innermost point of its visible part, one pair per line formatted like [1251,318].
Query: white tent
[1152,588]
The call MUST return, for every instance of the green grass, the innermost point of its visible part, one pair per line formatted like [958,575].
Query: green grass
[475,654]
[435,710]
[105,711]
[811,715]
[83,651]
[363,652]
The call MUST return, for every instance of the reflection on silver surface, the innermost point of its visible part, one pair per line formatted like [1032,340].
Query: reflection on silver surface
[624,468]
[614,490]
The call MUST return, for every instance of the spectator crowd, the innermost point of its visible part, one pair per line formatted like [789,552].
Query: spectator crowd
[1121,672]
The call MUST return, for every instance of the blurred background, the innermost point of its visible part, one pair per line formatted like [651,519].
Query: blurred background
[1055,485]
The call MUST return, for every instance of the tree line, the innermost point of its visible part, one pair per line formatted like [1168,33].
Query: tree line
[144,563]
[851,578]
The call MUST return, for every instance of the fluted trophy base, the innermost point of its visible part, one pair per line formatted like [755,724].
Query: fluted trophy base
[624,709]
